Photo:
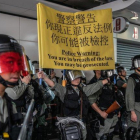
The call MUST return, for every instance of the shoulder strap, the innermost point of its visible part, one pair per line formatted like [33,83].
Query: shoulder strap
[81,104]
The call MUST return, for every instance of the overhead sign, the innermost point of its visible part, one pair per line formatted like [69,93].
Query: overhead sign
[135,33]
[79,41]
[120,25]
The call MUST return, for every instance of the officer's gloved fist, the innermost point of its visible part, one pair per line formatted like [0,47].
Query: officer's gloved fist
[41,74]
[26,79]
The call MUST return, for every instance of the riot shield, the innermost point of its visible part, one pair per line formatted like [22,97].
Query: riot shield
[26,130]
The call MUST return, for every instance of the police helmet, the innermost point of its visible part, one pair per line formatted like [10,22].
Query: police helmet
[107,73]
[9,44]
[73,74]
[135,62]
[11,57]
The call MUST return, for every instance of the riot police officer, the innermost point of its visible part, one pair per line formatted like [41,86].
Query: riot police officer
[100,102]
[93,121]
[132,98]
[43,96]
[21,94]
[69,95]
[11,64]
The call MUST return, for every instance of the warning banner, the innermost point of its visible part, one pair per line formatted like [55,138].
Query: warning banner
[80,41]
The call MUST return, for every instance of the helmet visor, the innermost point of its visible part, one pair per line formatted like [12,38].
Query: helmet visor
[76,74]
[107,73]
[137,63]
[110,73]
[11,62]
[27,64]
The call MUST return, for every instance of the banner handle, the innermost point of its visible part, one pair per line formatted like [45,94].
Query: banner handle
[40,79]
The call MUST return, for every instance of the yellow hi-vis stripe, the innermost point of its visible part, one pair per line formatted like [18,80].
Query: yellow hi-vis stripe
[5,135]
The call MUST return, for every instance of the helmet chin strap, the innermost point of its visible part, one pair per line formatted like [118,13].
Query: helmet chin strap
[6,83]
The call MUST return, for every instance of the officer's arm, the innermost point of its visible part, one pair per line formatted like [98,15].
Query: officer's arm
[48,81]
[103,114]
[61,91]
[96,108]
[130,97]
[15,92]
[49,95]
[91,81]
[93,88]
[93,98]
